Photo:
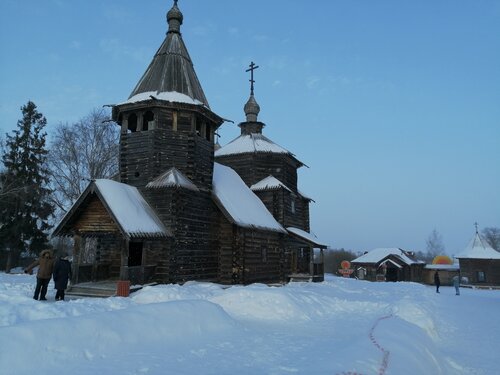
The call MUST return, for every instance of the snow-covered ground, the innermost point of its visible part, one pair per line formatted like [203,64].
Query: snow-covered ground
[340,326]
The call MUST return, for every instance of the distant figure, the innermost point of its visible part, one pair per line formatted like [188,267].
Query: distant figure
[61,275]
[456,284]
[437,281]
[46,264]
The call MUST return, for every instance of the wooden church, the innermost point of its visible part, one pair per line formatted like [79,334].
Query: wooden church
[182,210]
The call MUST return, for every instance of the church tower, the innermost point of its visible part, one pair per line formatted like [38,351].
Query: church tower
[166,121]
[267,168]
[167,152]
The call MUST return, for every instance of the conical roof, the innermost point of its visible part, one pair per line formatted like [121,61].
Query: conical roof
[171,72]
[478,248]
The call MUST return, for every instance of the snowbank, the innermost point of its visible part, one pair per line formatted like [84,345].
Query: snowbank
[339,326]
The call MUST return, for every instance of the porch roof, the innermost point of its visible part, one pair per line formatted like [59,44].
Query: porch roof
[125,205]
[309,237]
[391,261]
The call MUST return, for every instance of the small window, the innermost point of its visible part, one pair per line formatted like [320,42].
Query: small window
[148,121]
[132,122]
[207,132]
[198,126]
[263,252]
[292,206]
[481,277]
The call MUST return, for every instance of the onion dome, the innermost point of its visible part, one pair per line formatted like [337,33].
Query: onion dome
[251,109]
[174,19]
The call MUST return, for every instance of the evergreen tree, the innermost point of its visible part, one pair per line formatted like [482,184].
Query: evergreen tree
[24,202]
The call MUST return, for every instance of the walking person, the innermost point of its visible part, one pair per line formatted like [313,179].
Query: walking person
[46,264]
[61,275]
[437,281]
[456,284]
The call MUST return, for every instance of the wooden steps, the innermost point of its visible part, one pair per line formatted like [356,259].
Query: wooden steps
[99,289]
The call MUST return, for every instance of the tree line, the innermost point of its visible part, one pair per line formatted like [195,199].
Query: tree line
[40,177]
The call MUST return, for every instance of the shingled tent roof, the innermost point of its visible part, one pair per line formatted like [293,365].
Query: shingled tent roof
[478,248]
[171,71]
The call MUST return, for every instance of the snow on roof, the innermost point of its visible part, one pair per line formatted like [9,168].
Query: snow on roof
[239,202]
[170,96]
[391,261]
[132,213]
[478,248]
[449,267]
[376,255]
[269,183]
[250,143]
[306,235]
[172,178]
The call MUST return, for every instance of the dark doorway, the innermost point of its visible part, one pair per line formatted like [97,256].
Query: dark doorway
[391,274]
[134,254]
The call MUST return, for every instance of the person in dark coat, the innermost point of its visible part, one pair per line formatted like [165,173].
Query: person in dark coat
[437,281]
[45,265]
[61,275]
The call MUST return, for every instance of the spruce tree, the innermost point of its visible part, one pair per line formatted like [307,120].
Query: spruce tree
[25,206]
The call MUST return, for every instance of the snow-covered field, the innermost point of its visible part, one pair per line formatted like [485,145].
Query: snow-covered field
[340,326]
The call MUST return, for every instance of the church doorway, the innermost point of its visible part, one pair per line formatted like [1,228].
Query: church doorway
[135,254]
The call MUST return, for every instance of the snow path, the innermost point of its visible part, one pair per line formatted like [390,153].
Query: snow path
[385,352]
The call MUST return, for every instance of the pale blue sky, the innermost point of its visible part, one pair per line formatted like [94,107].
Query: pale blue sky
[394,105]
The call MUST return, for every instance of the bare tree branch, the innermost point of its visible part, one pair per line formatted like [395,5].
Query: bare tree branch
[80,152]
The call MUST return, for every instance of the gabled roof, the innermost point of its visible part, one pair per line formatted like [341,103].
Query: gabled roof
[238,203]
[252,143]
[269,183]
[478,248]
[125,205]
[388,260]
[377,255]
[172,178]
[170,75]
[309,237]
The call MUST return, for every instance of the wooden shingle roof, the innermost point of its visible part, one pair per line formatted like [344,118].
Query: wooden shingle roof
[171,70]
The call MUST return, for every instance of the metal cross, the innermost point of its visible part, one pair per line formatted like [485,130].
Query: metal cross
[476,224]
[251,69]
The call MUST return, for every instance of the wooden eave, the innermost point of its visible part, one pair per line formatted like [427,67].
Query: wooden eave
[307,241]
[158,103]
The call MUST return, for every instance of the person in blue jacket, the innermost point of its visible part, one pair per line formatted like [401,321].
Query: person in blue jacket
[456,284]
[61,275]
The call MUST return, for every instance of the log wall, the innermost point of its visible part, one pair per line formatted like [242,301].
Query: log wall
[94,218]
[253,168]
[470,268]
[250,256]
[190,217]
[174,141]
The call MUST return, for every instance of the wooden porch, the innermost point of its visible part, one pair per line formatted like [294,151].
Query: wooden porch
[307,268]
